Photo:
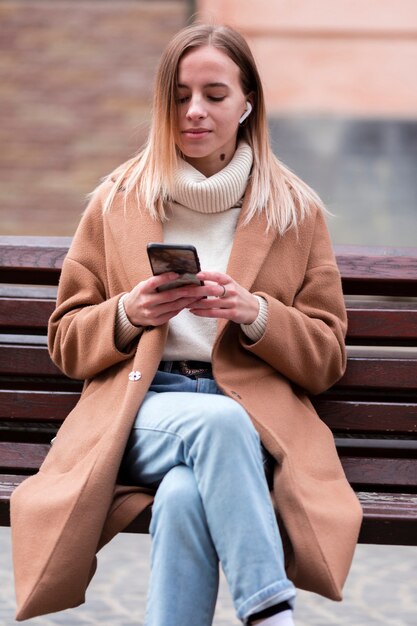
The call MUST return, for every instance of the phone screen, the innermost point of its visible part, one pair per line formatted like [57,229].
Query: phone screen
[182,259]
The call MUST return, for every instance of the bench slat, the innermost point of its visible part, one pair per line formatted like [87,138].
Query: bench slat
[377,270]
[32,260]
[374,323]
[26,457]
[36,405]
[377,446]
[397,370]
[365,322]
[340,415]
[392,504]
[24,360]
[378,262]
[389,519]
[8,484]
[23,313]
[395,472]
[368,417]
[364,269]
[380,371]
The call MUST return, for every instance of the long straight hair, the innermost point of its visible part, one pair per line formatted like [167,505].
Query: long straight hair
[275,191]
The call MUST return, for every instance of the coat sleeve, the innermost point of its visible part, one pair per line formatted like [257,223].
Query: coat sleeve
[305,341]
[81,330]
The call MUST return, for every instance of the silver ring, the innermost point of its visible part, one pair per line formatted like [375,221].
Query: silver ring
[224,292]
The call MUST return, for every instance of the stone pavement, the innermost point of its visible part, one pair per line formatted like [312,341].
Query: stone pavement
[381,590]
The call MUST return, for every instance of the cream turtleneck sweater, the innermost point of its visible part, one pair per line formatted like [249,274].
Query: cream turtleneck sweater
[203,212]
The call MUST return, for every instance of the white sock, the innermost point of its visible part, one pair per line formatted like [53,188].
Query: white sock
[279,619]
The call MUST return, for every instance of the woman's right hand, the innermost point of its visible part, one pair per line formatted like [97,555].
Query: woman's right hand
[145,306]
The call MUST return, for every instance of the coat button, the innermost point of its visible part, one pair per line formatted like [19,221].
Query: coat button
[135,375]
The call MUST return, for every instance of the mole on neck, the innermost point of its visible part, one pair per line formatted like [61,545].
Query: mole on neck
[222,156]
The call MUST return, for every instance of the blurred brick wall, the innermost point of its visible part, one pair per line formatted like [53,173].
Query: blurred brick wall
[76,78]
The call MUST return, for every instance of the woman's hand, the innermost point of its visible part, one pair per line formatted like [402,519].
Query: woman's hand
[225,298]
[219,297]
[145,306]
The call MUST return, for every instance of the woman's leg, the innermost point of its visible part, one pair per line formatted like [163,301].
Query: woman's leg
[214,437]
[185,567]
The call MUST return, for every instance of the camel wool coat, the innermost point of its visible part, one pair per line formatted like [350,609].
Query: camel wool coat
[62,515]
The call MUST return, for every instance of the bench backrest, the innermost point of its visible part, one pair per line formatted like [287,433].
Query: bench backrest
[372,411]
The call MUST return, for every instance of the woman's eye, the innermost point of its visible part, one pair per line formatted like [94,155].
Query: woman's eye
[185,99]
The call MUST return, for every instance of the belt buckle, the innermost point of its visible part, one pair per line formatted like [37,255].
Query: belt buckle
[191,371]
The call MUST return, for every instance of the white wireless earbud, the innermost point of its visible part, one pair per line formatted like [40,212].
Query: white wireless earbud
[246,113]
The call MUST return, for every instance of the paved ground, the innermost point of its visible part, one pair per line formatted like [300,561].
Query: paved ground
[381,590]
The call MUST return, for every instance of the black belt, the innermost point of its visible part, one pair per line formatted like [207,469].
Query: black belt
[192,369]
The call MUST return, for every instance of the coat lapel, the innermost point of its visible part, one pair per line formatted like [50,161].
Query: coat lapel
[250,248]
[131,230]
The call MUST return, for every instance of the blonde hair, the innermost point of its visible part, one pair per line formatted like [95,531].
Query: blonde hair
[275,190]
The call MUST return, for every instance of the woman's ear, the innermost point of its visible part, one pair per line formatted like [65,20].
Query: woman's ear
[247,112]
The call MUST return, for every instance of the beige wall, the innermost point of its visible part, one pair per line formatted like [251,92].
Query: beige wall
[347,57]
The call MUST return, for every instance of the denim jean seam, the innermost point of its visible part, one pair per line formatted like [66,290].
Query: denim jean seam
[269,510]
[167,432]
[274,525]
[210,610]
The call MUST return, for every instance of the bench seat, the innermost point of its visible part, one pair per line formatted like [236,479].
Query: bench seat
[372,410]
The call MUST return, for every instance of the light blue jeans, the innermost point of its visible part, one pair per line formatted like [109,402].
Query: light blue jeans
[201,451]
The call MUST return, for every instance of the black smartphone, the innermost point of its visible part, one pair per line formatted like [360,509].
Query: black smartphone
[170,257]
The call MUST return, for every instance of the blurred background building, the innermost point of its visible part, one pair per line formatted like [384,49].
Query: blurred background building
[340,77]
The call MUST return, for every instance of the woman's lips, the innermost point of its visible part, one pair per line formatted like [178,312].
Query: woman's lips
[196,133]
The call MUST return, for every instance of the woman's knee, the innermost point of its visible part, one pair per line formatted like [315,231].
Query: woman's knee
[177,495]
[228,421]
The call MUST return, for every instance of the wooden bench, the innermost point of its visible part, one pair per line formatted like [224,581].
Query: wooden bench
[372,411]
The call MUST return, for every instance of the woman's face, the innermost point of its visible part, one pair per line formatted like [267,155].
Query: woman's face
[210,102]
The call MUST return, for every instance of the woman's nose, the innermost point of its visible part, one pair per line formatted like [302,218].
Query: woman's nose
[196,109]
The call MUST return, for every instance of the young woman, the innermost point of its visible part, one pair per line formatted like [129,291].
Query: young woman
[191,393]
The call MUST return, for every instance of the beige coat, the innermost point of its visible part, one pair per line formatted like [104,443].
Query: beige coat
[63,514]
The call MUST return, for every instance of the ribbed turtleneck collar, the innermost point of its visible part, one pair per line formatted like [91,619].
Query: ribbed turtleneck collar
[217,193]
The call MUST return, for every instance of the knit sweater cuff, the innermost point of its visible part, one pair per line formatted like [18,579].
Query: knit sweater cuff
[255,330]
[124,331]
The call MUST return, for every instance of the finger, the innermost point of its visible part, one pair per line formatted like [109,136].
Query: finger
[195,292]
[212,289]
[214,302]
[156,296]
[175,306]
[217,277]
[213,313]
[158,281]
[154,315]
[145,308]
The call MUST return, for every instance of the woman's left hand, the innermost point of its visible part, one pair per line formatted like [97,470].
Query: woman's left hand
[225,299]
